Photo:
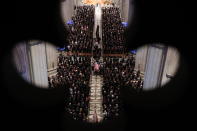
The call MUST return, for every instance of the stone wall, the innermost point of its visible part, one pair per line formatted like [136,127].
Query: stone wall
[67,7]
[38,63]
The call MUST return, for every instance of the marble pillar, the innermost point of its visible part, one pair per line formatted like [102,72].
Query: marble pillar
[140,61]
[38,63]
[52,56]
[125,10]
[171,64]
[21,61]
[67,8]
[155,61]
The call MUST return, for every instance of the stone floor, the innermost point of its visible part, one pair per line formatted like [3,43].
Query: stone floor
[96,99]
[95,113]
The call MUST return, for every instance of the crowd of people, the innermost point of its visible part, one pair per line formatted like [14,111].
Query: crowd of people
[118,73]
[73,74]
[97,51]
[113,31]
[80,37]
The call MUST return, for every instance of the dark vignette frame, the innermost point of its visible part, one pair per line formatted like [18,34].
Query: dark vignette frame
[163,21]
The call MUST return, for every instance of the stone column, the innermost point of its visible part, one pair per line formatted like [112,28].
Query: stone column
[156,56]
[126,9]
[52,55]
[140,61]
[21,61]
[171,64]
[67,8]
[38,63]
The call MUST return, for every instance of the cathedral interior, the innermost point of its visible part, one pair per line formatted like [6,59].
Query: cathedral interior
[93,66]
[95,63]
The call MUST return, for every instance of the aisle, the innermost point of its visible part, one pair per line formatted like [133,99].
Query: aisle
[95,113]
[95,108]
[98,22]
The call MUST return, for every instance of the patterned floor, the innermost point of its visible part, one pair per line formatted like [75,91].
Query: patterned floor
[96,99]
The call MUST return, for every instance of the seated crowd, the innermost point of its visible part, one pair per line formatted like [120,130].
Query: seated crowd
[80,37]
[73,74]
[113,31]
[118,73]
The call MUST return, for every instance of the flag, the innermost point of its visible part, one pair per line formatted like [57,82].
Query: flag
[96,67]
[70,22]
[125,24]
